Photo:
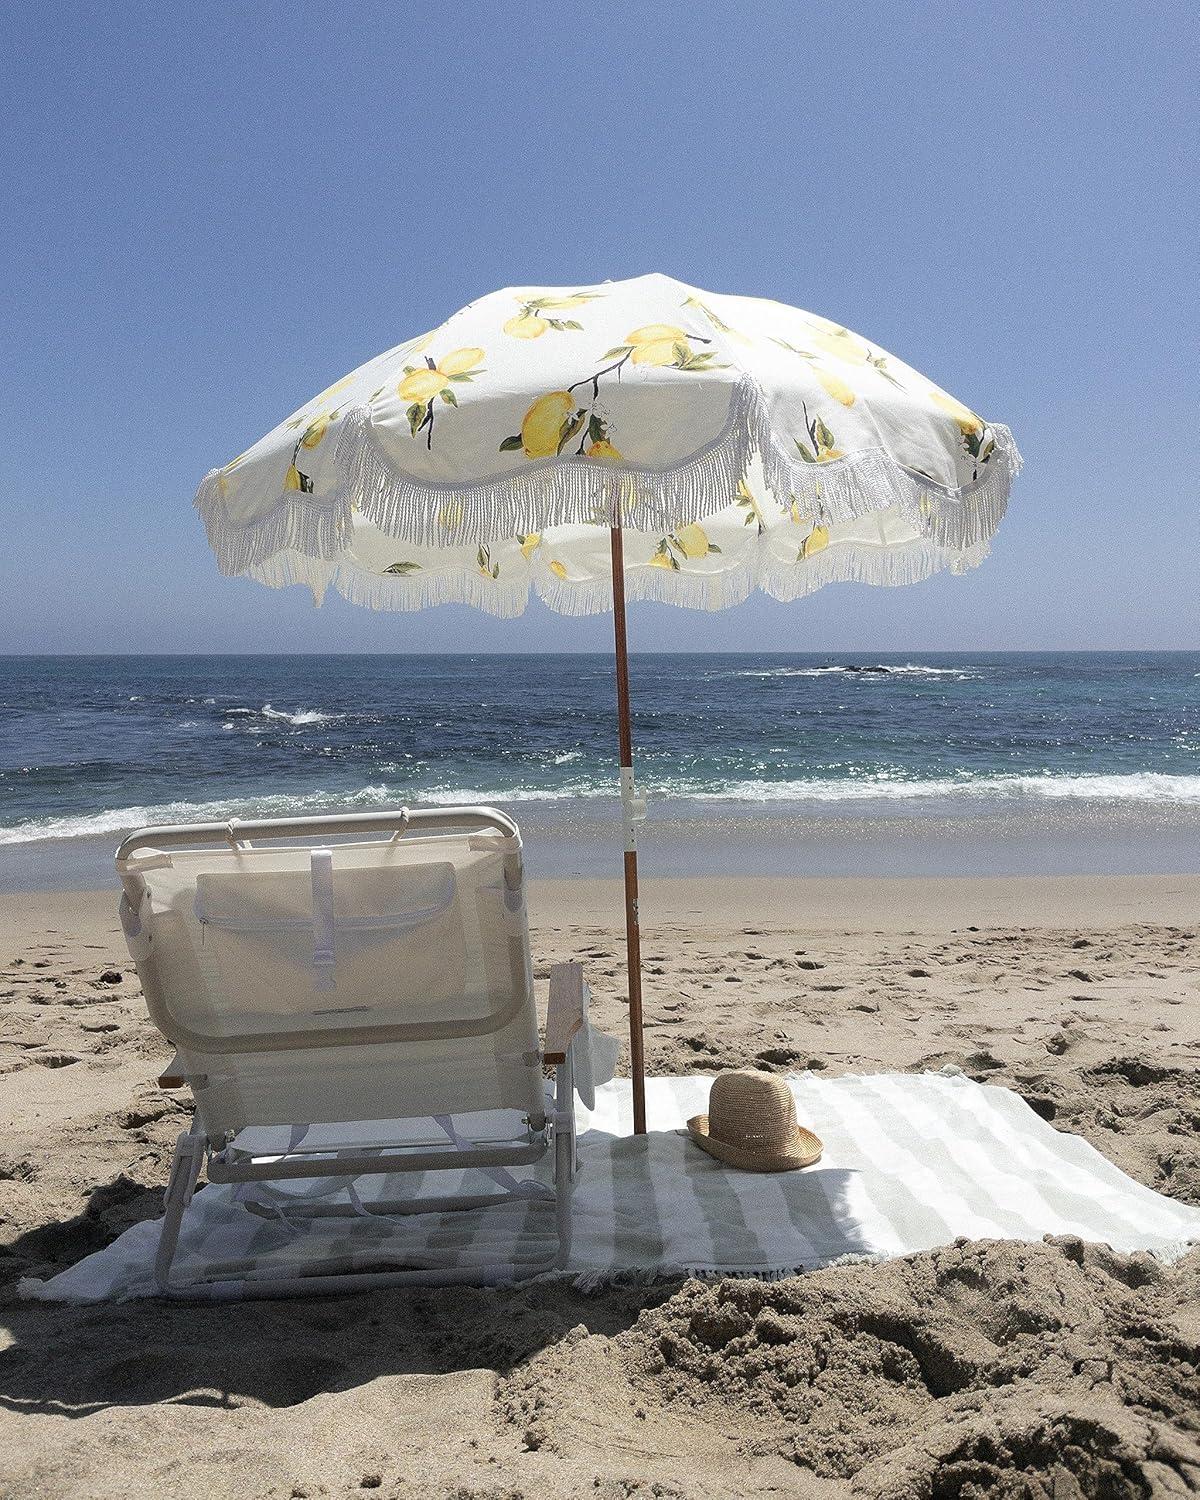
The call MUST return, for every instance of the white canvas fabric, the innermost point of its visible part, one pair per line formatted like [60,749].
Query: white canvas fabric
[739,442]
[910,1162]
[420,945]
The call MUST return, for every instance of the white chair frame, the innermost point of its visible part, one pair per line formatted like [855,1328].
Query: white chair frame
[550,1130]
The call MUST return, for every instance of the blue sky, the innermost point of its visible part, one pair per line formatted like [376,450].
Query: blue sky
[213,211]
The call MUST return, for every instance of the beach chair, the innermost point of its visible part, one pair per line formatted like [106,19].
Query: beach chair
[353,997]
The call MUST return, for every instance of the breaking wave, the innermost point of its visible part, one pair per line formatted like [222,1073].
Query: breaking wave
[1132,789]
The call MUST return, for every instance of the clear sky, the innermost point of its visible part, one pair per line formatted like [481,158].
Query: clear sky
[212,211]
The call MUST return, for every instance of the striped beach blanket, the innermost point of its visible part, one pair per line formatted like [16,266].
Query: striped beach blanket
[911,1161]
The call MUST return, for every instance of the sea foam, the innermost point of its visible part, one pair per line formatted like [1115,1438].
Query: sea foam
[972,793]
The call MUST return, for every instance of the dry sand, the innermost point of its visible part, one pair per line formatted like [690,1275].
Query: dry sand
[1051,1370]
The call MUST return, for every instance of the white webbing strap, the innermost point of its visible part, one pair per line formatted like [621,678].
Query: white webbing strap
[152,859]
[501,843]
[503,1178]
[321,863]
[135,923]
[285,1204]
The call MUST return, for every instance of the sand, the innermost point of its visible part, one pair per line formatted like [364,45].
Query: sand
[1052,1370]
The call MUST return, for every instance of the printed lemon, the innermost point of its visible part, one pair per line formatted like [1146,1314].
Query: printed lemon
[332,390]
[292,478]
[662,560]
[968,422]
[459,361]
[422,385]
[526,326]
[828,454]
[603,449]
[656,344]
[315,431]
[656,333]
[659,353]
[816,541]
[693,540]
[530,544]
[836,387]
[557,569]
[841,343]
[418,346]
[543,423]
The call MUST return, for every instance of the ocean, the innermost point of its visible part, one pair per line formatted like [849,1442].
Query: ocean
[758,763]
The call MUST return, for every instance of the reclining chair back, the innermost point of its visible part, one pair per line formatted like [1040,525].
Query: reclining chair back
[334,981]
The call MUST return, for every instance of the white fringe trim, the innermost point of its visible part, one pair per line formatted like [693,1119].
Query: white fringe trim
[578,491]
[507,598]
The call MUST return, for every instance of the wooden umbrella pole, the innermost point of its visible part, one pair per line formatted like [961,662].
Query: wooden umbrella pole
[633,935]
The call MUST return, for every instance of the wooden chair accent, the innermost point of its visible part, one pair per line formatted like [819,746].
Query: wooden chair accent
[565,1012]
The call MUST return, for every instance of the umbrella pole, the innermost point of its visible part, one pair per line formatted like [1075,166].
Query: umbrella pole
[633,936]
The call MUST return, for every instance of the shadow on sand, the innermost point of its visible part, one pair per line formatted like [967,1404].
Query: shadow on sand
[75,1360]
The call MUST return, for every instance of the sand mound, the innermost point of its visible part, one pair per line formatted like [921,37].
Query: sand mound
[985,1368]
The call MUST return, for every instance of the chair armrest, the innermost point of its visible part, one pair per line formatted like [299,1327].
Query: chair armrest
[173,1076]
[566,1012]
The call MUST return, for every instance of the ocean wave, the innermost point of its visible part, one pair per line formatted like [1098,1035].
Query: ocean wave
[1129,789]
[453,796]
[120,820]
[280,715]
[302,716]
[853,669]
[1134,787]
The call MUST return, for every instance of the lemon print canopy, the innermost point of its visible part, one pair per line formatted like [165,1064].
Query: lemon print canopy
[739,443]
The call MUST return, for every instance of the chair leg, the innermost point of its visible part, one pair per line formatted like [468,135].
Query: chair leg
[566,1158]
[185,1170]
[564,1152]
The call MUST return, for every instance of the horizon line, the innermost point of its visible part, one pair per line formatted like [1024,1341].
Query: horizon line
[408,655]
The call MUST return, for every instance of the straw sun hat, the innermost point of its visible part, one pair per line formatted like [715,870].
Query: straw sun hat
[751,1124]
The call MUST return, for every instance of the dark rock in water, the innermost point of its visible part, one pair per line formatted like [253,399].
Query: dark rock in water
[879,671]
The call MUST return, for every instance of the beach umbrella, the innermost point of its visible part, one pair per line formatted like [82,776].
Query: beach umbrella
[635,439]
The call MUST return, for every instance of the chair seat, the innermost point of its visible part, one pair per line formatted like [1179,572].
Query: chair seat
[498,1127]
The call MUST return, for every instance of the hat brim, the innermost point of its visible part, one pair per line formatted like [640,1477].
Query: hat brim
[802,1150]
